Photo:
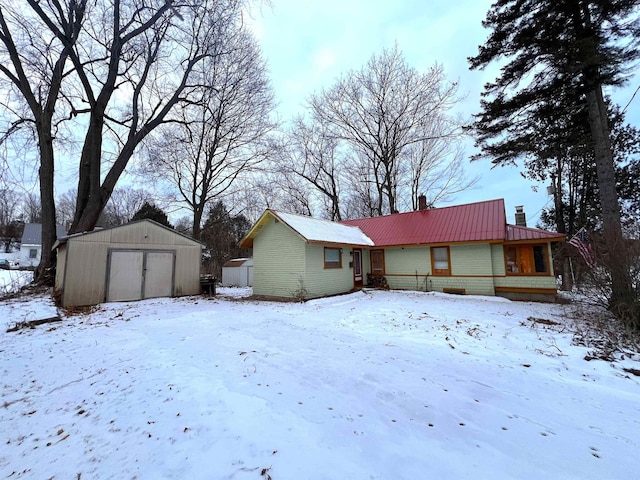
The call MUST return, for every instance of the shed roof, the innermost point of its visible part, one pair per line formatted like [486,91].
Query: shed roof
[32,234]
[460,223]
[64,239]
[313,230]
[238,262]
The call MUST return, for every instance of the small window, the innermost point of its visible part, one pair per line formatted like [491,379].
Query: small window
[332,258]
[440,261]
[526,260]
[33,253]
[377,262]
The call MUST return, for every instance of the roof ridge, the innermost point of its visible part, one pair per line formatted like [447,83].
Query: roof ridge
[426,210]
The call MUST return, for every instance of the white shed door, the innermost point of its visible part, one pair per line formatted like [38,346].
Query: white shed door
[158,278]
[125,276]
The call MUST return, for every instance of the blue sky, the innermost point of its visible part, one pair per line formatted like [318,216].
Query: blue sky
[309,43]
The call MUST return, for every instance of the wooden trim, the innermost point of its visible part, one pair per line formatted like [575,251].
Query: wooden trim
[430,275]
[339,258]
[446,273]
[545,291]
[536,241]
[336,244]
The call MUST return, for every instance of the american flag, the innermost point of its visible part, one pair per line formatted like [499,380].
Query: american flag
[581,241]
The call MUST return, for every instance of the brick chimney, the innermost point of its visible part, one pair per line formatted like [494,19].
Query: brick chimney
[422,202]
[521,217]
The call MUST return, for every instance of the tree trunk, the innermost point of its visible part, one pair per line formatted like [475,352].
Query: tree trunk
[45,271]
[197,221]
[614,256]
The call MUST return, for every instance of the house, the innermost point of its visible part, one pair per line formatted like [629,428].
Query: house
[465,249]
[31,244]
[142,259]
[238,272]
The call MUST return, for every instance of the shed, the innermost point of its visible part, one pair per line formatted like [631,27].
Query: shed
[238,273]
[142,259]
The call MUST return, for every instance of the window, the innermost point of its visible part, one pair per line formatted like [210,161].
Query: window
[377,262]
[526,259]
[33,253]
[440,263]
[332,258]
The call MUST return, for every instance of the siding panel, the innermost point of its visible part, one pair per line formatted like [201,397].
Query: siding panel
[278,255]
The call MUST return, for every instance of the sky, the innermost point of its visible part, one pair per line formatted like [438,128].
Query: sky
[308,44]
[370,385]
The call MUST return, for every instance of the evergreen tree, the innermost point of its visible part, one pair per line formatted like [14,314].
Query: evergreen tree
[221,234]
[560,50]
[152,212]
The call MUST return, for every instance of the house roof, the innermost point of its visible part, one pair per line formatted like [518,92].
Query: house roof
[32,234]
[461,223]
[472,222]
[517,233]
[312,230]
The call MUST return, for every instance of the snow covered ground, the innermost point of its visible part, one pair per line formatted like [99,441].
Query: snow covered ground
[12,280]
[371,385]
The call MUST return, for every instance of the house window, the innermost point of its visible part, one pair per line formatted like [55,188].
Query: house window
[33,253]
[377,262]
[526,260]
[440,261]
[332,258]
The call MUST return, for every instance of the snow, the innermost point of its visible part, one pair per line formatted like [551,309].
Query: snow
[370,385]
[12,280]
[317,230]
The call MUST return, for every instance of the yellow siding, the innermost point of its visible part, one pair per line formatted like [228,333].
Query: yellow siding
[471,285]
[526,282]
[407,268]
[474,259]
[497,260]
[320,281]
[278,259]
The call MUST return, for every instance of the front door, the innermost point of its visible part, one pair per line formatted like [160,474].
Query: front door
[357,267]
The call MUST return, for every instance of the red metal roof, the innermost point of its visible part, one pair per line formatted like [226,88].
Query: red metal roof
[515,233]
[460,223]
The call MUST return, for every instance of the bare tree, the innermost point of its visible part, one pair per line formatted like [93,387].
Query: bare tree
[32,208]
[383,109]
[123,205]
[223,132]
[32,66]
[9,216]
[130,63]
[312,156]
[435,168]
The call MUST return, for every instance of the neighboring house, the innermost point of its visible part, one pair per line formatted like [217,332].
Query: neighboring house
[238,273]
[466,249]
[31,244]
[141,259]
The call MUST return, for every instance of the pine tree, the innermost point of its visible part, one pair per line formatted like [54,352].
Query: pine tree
[560,49]
[152,212]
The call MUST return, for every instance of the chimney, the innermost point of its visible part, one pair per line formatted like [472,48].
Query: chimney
[521,217]
[422,202]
